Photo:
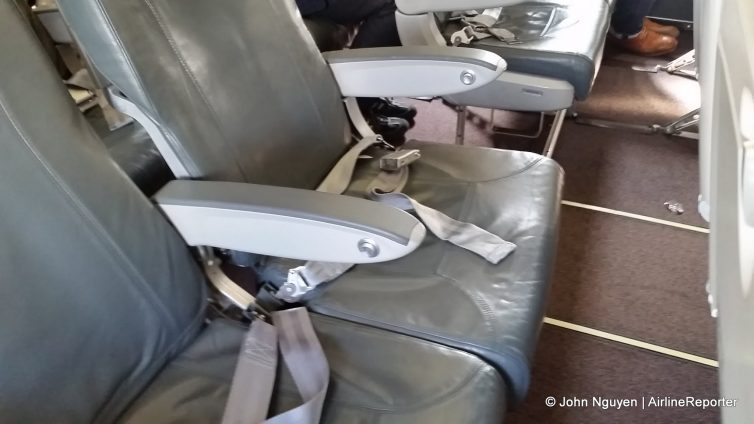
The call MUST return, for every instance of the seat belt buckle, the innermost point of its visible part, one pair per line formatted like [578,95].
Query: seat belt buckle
[464,36]
[394,161]
[295,286]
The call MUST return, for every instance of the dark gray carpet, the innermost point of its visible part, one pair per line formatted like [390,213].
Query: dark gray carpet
[437,122]
[635,279]
[630,172]
[574,364]
[623,94]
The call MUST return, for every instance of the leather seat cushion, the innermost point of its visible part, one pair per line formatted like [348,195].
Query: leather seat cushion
[376,377]
[449,295]
[561,39]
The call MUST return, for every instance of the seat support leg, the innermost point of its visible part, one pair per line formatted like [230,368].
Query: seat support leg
[681,66]
[461,115]
[499,130]
[552,137]
[676,128]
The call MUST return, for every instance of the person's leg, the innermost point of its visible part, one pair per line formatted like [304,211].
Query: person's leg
[376,28]
[629,29]
[628,17]
[379,29]
[376,18]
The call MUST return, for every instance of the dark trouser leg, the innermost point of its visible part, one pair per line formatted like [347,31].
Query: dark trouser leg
[378,30]
[377,18]
[628,18]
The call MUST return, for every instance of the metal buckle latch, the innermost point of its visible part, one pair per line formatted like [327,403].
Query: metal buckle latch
[295,286]
[394,161]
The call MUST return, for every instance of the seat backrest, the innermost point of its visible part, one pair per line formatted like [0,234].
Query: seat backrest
[97,291]
[238,87]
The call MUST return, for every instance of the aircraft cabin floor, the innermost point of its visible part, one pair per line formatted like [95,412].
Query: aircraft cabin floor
[622,275]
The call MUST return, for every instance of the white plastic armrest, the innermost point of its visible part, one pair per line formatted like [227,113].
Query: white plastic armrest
[289,223]
[417,7]
[412,71]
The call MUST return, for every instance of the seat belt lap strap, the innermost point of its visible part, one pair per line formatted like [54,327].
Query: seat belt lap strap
[482,25]
[487,18]
[340,175]
[463,234]
[386,188]
[307,364]
[254,377]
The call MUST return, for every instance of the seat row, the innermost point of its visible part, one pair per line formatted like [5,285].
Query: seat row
[438,335]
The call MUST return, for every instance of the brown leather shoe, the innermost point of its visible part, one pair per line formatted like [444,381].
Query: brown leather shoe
[662,29]
[648,43]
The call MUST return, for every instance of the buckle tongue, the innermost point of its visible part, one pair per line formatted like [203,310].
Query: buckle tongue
[295,287]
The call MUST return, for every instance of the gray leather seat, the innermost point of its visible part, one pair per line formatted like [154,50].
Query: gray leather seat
[448,295]
[257,103]
[432,384]
[561,39]
[102,308]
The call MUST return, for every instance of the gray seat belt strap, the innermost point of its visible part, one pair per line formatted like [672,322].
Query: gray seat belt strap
[340,175]
[481,26]
[254,378]
[386,189]
[462,234]
[487,18]
[303,279]
[307,364]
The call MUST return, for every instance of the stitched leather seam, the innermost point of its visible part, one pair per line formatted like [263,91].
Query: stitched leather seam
[440,397]
[412,331]
[492,358]
[483,306]
[463,216]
